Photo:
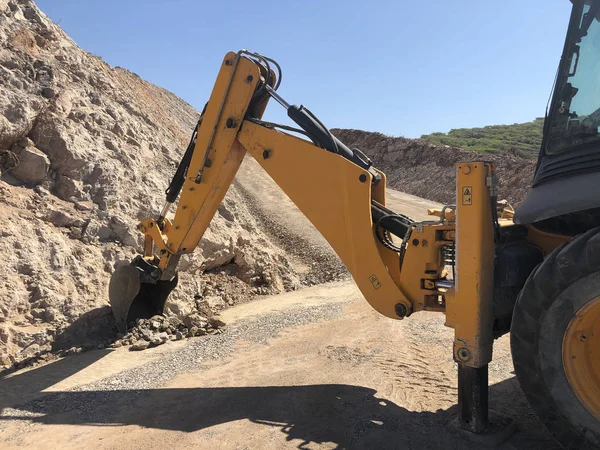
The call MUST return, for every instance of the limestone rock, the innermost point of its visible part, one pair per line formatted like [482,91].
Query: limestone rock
[215,302]
[195,320]
[84,206]
[140,345]
[63,219]
[216,322]
[69,189]
[159,338]
[5,360]
[179,306]
[8,160]
[33,164]
[124,232]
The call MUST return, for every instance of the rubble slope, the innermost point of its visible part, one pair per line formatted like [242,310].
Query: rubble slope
[86,151]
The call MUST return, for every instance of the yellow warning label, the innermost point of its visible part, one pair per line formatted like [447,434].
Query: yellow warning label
[375,281]
[467,195]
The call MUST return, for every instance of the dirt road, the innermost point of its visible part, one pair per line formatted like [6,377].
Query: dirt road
[315,368]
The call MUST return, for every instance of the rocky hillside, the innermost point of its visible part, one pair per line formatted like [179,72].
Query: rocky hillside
[427,170]
[86,151]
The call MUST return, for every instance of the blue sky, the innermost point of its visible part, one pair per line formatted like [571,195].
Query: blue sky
[403,68]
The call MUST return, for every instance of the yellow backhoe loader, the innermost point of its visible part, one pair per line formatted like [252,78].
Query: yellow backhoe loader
[535,273]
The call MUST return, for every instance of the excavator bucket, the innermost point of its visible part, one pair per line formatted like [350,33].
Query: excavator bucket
[132,299]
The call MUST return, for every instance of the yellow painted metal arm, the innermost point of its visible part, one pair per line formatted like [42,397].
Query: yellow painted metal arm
[335,195]
[215,161]
[333,192]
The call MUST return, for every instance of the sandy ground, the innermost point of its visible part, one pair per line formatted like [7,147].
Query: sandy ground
[351,380]
[316,368]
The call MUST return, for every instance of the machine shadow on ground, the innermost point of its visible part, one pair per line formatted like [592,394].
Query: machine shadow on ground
[22,387]
[349,416]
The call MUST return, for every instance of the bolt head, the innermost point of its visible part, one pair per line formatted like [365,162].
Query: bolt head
[401,310]
[463,354]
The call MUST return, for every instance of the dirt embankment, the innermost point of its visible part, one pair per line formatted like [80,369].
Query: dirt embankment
[423,169]
[86,152]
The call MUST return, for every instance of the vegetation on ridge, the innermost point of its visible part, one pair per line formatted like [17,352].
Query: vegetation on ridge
[523,139]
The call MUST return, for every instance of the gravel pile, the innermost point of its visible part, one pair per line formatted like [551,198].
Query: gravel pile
[160,329]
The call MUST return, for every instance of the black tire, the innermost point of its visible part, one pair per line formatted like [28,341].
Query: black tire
[565,281]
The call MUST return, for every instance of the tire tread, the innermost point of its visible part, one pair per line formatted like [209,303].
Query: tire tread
[564,266]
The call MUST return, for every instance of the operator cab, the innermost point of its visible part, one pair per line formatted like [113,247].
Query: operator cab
[565,195]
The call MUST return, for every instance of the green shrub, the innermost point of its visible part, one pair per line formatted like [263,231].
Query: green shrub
[517,139]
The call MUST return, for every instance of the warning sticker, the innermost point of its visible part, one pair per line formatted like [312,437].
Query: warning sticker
[375,281]
[467,195]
